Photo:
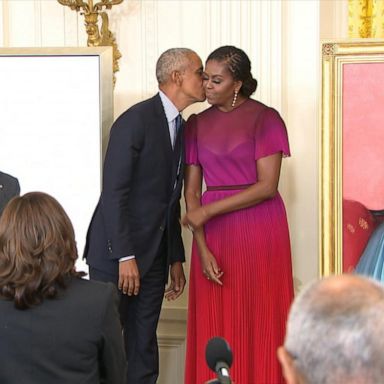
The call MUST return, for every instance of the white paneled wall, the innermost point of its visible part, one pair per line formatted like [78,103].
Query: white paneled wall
[2,26]
[144,29]
[282,39]
[299,178]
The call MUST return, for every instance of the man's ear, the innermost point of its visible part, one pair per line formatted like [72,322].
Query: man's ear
[176,77]
[289,371]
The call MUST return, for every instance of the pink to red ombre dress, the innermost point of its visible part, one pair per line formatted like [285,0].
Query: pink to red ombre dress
[251,246]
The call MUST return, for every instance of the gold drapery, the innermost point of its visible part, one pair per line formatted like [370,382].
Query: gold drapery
[366,18]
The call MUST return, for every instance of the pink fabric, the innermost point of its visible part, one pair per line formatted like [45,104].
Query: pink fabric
[363,137]
[250,131]
[251,246]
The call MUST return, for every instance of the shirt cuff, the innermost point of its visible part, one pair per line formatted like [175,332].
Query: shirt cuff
[127,258]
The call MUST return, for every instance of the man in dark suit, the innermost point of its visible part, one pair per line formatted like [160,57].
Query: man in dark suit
[135,233]
[9,187]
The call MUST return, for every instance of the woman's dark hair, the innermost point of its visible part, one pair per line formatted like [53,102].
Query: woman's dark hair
[239,66]
[37,249]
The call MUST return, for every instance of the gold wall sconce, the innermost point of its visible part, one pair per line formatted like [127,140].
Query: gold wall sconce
[97,37]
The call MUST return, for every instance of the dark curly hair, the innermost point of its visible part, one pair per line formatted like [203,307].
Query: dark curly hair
[239,66]
[37,249]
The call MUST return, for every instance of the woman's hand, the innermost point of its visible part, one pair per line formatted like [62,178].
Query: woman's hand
[210,268]
[195,218]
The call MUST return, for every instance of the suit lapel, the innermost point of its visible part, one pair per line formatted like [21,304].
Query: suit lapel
[178,153]
[162,126]
[174,155]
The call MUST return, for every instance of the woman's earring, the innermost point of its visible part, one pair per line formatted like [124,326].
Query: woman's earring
[234,98]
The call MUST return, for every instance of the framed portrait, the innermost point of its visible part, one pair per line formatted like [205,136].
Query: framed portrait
[351,154]
[56,109]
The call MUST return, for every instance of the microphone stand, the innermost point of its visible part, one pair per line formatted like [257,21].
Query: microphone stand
[222,372]
[220,380]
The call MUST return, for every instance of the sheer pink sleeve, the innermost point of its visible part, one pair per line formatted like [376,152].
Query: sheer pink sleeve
[191,152]
[271,135]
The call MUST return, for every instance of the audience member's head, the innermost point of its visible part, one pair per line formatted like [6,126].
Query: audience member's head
[37,249]
[335,333]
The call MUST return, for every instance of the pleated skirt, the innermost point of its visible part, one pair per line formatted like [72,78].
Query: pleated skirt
[252,247]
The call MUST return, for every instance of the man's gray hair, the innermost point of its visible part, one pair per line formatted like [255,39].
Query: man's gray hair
[335,331]
[174,59]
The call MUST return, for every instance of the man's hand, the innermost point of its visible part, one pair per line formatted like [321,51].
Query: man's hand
[176,287]
[129,277]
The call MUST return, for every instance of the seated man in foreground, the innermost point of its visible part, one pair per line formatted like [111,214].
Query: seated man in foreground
[335,333]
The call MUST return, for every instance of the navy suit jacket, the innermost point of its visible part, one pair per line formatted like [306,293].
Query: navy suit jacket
[9,187]
[142,182]
[74,338]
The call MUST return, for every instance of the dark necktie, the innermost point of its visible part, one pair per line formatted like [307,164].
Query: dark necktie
[178,122]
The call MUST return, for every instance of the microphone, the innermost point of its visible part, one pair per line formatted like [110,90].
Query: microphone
[219,357]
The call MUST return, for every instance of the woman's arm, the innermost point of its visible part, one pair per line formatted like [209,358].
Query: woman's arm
[268,171]
[192,194]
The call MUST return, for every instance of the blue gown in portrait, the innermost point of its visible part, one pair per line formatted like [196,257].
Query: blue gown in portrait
[371,262]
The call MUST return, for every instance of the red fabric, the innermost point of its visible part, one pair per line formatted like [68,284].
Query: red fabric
[358,225]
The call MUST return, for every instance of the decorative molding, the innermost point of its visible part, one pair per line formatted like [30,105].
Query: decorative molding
[172,359]
[173,324]
[328,49]
[171,339]
[174,314]
[97,35]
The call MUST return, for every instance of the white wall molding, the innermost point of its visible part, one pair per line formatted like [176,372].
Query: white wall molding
[300,85]
[172,357]
[334,19]
[38,23]
[4,17]
[149,41]
[171,338]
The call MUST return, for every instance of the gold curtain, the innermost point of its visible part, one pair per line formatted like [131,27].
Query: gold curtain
[366,18]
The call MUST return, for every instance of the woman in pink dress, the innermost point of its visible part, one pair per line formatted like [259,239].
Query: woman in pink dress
[241,275]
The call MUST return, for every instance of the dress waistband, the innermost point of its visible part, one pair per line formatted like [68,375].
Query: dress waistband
[227,187]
